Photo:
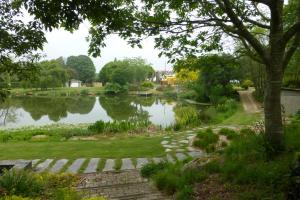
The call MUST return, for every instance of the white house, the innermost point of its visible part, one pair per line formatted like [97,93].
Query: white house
[74,83]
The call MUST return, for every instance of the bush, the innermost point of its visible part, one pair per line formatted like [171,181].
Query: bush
[229,133]
[21,183]
[171,179]
[84,92]
[98,126]
[115,88]
[247,83]
[147,84]
[206,140]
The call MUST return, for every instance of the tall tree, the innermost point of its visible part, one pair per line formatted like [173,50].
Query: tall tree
[18,41]
[189,27]
[84,67]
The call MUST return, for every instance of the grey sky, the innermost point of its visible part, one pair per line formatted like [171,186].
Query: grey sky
[63,43]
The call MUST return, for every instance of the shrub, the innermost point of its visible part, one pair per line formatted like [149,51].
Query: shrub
[229,133]
[23,183]
[171,178]
[84,92]
[147,84]
[206,140]
[152,168]
[247,83]
[115,88]
[98,126]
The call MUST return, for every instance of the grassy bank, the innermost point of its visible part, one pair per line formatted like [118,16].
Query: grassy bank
[64,91]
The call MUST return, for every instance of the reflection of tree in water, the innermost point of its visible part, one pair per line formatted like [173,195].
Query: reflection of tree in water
[55,107]
[124,107]
[7,113]
[81,105]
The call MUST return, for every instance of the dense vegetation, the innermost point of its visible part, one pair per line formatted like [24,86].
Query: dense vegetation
[83,66]
[242,170]
[121,74]
[25,185]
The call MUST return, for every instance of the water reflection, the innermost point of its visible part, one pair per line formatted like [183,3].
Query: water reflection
[25,111]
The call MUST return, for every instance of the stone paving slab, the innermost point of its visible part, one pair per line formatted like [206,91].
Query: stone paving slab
[109,165]
[157,160]
[35,161]
[43,165]
[58,165]
[195,154]
[180,156]
[140,162]
[76,165]
[92,166]
[170,158]
[127,164]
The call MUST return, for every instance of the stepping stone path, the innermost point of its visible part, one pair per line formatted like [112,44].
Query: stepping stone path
[43,165]
[170,158]
[76,165]
[127,164]
[140,162]
[180,156]
[34,162]
[109,165]
[92,166]
[58,165]
[158,160]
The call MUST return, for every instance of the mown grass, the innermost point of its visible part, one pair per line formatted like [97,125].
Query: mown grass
[119,147]
[240,117]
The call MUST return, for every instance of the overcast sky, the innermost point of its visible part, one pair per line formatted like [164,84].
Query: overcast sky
[63,43]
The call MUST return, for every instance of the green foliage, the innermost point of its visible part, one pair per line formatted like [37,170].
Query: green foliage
[171,178]
[84,92]
[21,183]
[44,186]
[152,168]
[115,88]
[83,66]
[118,126]
[215,74]
[147,84]
[126,71]
[206,140]
[186,116]
[247,83]
[229,133]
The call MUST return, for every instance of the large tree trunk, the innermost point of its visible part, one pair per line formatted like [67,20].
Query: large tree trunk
[272,104]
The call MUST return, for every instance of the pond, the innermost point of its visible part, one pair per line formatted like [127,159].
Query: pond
[18,112]
[291,101]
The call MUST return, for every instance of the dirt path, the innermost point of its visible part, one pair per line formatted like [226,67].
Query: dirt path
[249,103]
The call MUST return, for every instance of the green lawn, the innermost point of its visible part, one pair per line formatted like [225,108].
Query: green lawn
[106,148]
[240,117]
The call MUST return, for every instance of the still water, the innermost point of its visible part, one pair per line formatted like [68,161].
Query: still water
[36,111]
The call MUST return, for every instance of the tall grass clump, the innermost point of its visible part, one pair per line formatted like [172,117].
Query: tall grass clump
[185,117]
[118,126]
[229,133]
[206,140]
[172,179]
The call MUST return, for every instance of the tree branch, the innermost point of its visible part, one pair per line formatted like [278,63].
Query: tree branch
[289,34]
[256,23]
[290,52]
[243,32]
